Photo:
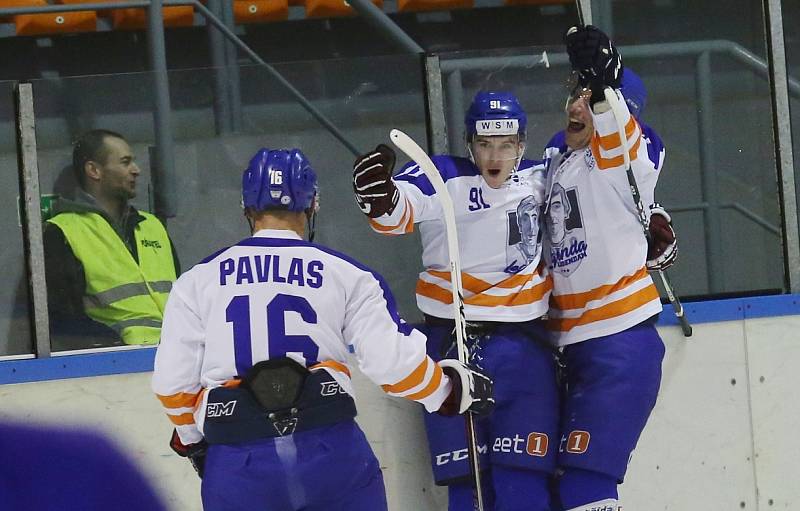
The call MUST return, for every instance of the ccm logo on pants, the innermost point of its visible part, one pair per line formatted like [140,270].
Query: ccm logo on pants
[459,455]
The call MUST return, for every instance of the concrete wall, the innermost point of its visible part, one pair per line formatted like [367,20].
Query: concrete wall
[722,436]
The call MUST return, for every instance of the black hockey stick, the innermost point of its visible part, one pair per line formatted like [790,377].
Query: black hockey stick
[417,154]
[618,111]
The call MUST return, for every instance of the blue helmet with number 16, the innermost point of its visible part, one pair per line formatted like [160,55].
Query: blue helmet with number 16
[279,179]
[495,113]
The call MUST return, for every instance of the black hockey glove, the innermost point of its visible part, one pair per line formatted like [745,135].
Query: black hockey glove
[595,58]
[196,453]
[472,390]
[375,191]
[662,245]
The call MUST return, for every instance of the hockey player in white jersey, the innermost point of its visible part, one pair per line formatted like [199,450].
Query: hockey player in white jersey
[498,199]
[604,304]
[252,366]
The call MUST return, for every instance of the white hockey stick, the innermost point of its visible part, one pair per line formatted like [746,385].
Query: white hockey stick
[618,111]
[417,154]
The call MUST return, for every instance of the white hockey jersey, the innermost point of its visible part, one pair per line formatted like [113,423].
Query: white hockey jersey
[595,247]
[499,234]
[275,295]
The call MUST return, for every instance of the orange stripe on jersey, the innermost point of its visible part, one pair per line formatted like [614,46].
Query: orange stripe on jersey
[179,400]
[434,292]
[611,142]
[617,161]
[406,222]
[525,297]
[230,384]
[183,419]
[608,311]
[477,286]
[431,387]
[338,366]
[410,381]
[579,300]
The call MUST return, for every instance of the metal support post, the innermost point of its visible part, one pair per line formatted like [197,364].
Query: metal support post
[216,44]
[32,216]
[455,112]
[232,63]
[708,175]
[383,23]
[434,99]
[784,156]
[163,172]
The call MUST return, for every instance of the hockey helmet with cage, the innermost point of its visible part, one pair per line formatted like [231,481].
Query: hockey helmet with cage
[495,113]
[279,179]
[634,92]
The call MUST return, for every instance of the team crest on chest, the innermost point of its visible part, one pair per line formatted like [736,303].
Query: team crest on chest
[588,157]
[568,247]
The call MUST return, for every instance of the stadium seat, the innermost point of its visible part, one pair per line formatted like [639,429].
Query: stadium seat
[332,8]
[432,5]
[56,23]
[105,13]
[136,19]
[51,22]
[258,11]
[9,4]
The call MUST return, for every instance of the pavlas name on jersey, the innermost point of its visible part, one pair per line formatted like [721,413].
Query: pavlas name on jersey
[268,268]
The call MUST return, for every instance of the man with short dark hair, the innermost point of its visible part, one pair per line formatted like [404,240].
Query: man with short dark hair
[109,266]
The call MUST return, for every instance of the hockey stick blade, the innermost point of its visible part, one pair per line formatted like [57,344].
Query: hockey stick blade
[411,149]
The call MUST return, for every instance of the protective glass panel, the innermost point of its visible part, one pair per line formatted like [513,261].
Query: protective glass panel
[219,119]
[708,99]
[15,330]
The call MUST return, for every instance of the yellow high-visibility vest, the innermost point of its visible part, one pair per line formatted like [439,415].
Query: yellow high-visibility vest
[124,295]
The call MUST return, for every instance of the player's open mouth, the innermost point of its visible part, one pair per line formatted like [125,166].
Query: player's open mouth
[493,172]
[575,126]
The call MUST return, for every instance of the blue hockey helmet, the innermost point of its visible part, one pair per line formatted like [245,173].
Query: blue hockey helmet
[632,89]
[495,113]
[279,179]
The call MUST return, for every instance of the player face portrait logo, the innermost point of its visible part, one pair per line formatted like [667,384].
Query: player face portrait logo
[528,214]
[524,235]
[567,238]
[558,213]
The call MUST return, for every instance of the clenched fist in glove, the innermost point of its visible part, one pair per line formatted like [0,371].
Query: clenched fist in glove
[375,191]
[472,390]
[196,453]
[595,59]
[662,245]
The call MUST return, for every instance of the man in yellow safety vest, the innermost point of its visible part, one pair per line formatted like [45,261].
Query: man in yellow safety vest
[109,266]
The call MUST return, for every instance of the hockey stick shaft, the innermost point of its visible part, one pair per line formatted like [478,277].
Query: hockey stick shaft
[616,108]
[407,145]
